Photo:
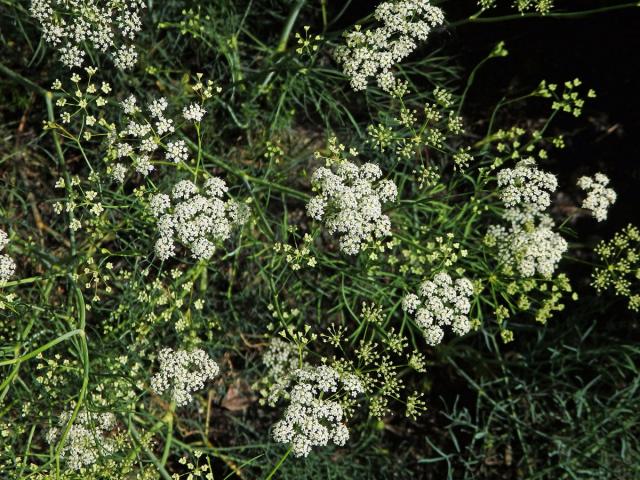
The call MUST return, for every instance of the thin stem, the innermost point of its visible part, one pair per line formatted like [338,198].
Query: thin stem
[48,96]
[22,80]
[279,464]
[195,174]
[161,470]
[84,353]
[25,281]
[169,440]
[472,77]
[291,20]
[260,181]
[323,5]
[46,346]
[560,15]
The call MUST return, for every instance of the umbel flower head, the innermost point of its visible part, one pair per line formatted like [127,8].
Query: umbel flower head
[7,265]
[143,137]
[350,201]
[599,197]
[182,373]
[440,302]
[531,247]
[87,439]
[374,52]
[541,6]
[280,358]
[526,187]
[314,416]
[619,269]
[106,25]
[198,219]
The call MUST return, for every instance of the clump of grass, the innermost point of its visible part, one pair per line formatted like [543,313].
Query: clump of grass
[561,405]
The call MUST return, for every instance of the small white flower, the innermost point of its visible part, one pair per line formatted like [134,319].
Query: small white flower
[599,197]
[123,150]
[72,56]
[148,145]
[87,439]
[374,52]
[4,239]
[7,268]
[102,25]
[177,151]
[526,187]
[125,57]
[129,105]
[193,112]
[157,107]
[159,204]
[139,130]
[196,219]
[529,245]
[118,172]
[530,248]
[280,358]
[164,125]
[142,165]
[350,201]
[314,416]
[441,301]
[75,225]
[182,373]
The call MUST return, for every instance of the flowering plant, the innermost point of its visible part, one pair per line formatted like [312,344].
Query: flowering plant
[236,244]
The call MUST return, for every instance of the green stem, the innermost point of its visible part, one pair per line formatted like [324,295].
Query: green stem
[46,346]
[161,470]
[48,96]
[157,426]
[195,174]
[518,16]
[323,5]
[6,384]
[291,20]
[84,353]
[472,78]
[279,464]
[22,80]
[239,173]
[25,281]
[169,440]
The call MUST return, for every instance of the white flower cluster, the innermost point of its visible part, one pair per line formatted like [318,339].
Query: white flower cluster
[142,137]
[107,25]
[350,203]
[529,247]
[441,301]
[195,219]
[87,438]
[599,197]
[526,187]
[280,358]
[529,244]
[314,416]
[374,52]
[182,373]
[194,112]
[7,265]
[540,6]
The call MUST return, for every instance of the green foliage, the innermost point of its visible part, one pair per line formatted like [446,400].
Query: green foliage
[560,406]
[88,300]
